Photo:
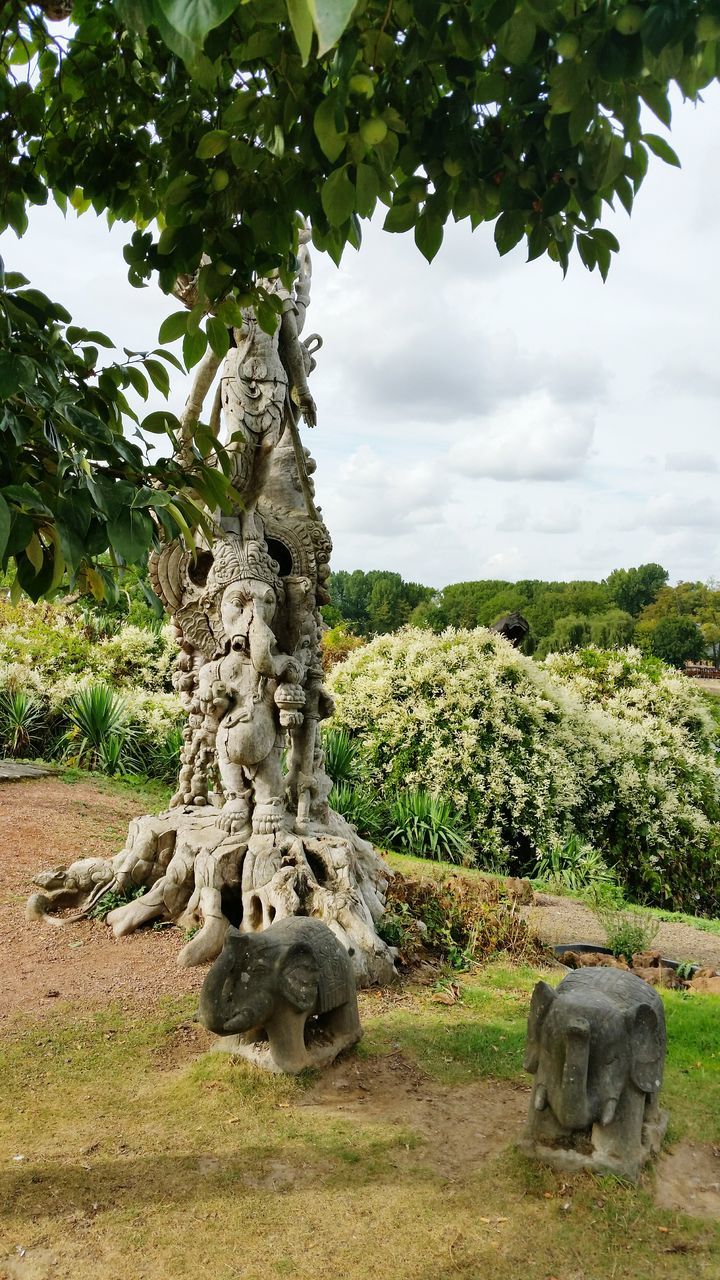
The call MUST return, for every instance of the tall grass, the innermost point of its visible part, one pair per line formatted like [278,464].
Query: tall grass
[21,722]
[100,729]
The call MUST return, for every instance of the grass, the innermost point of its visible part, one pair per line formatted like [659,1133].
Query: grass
[139,1164]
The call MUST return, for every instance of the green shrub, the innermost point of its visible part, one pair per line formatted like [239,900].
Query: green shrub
[426,825]
[341,755]
[614,747]
[573,865]
[21,722]
[360,808]
[98,717]
[627,932]
[454,920]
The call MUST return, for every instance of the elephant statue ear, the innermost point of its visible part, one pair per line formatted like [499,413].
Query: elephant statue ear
[647,1049]
[542,998]
[298,979]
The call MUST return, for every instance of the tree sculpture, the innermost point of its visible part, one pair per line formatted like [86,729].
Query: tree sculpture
[247,839]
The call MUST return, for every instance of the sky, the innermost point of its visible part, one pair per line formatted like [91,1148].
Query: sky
[482,417]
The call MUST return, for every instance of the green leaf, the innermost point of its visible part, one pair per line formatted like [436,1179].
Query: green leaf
[330,18]
[657,100]
[160,423]
[401,217]
[338,197]
[660,148]
[5,521]
[194,18]
[332,142]
[516,38]
[212,143]
[158,375]
[137,381]
[194,347]
[302,25]
[174,326]
[587,251]
[15,372]
[367,190]
[218,336]
[428,235]
[509,230]
[230,312]
[130,534]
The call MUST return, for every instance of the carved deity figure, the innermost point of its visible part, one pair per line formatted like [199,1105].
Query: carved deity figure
[250,836]
[263,376]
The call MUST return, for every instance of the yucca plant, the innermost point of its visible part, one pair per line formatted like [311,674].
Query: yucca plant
[111,758]
[427,825]
[359,807]
[21,722]
[99,719]
[164,759]
[341,755]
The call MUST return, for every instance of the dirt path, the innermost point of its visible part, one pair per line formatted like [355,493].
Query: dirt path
[44,823]
[565,920]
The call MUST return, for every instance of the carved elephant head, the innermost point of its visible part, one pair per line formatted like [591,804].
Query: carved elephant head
[255,977]
[599,1033]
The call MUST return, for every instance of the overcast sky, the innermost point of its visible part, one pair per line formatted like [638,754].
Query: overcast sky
[481,417]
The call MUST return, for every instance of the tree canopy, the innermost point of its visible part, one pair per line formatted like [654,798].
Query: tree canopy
[210,129]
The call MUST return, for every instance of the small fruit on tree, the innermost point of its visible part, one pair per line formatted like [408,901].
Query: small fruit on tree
[708,27]
[567,44]
[452,167]
[373,131]
[629,20]
[361,85]
[220,179]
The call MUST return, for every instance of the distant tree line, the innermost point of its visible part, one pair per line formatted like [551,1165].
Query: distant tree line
[630,606]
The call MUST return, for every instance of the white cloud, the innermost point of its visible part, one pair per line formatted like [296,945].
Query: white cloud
[691,460]
[532,439]
[374,498]
[669,513]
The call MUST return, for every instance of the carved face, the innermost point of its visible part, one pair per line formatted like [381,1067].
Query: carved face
[251,979]
[242,601]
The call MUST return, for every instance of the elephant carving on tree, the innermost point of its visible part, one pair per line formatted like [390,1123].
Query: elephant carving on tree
[596,1047]
[285,998]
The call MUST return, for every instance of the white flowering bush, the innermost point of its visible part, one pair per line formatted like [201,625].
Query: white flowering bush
[619,752]
[46,651]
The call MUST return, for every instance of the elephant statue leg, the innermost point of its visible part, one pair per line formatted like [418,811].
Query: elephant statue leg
[270,812]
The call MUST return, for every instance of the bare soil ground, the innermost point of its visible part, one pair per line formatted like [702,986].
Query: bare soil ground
[559,919]
[45,823]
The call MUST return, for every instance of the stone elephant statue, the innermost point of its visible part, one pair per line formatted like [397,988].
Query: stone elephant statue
[596,1047]
[284,998]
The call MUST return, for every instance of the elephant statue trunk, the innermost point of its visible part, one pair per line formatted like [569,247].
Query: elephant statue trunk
[596,1047]
[574,1110]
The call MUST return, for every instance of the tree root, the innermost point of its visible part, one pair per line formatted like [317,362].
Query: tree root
[201,877]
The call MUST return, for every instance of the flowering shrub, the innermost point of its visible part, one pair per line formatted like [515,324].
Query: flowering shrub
[614,747]
[47,654]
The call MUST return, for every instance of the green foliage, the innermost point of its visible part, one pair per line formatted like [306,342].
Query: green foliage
[114,898]
[359,807]
[614,747]
[454,919]
[627,932]
[72,485]
[426,825]
[375,602]
[100,727]
[697,601]
[208,127]
[573,865]
[341,762]
[632,589]
[21,722]
[677,641]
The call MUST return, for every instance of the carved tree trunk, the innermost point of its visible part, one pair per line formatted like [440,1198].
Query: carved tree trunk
[249,836]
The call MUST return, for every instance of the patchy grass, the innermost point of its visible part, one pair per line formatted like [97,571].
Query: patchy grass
[142,1161]
[152,796]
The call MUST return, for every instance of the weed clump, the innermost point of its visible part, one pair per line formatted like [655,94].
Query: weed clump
[453,920]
